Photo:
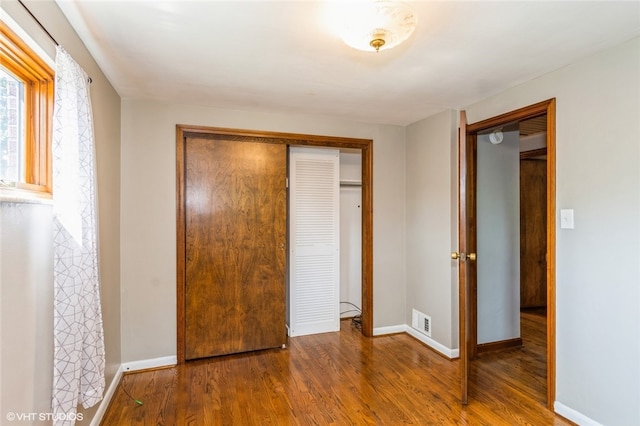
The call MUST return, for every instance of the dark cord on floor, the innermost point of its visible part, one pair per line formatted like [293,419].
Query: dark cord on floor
[352,304]
[356,321]
[137,401]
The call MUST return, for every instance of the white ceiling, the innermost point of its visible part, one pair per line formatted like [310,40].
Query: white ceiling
[282,56]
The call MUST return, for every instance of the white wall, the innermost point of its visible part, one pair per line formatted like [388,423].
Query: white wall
[350,250]
[26,251]
[598,272]
[498,233]
[148,230]
[431,216]
[26,307]
[351,166]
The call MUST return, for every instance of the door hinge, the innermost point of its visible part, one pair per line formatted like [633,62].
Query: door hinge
[286,185]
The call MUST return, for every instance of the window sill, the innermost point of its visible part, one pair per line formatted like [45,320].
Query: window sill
[12,195]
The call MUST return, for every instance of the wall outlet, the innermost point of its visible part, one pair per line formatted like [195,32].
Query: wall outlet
[421,322]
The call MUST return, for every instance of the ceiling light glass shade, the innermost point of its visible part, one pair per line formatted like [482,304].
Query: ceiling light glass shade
[377,25]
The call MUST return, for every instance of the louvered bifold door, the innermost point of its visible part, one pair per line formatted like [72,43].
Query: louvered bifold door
[314,241]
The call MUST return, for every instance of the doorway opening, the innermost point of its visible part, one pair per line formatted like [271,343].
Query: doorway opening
[325,239]
[351,236]
[533,230]
[541,114]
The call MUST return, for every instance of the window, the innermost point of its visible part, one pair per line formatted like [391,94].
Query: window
[26,105]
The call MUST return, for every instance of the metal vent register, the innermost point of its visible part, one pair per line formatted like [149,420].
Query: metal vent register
[421,322]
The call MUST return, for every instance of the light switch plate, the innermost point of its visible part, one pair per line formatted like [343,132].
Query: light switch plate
[566,219]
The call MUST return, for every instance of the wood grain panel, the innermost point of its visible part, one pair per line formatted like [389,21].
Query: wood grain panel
[533,233]
[367,239]
[472,214]
[235,194]
[465,215]
[551,253]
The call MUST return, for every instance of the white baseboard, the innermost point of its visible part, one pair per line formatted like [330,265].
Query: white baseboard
[106,399]
[404,328]
[573,415]
[439,347]
[143,364]
[126,367]
[381,331]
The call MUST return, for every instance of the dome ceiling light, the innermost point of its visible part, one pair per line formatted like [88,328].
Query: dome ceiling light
[377,25]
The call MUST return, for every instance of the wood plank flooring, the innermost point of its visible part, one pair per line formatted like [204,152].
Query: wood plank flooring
[343,379]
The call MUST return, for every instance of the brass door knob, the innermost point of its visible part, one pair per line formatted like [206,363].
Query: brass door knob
[459,256]
[463,256]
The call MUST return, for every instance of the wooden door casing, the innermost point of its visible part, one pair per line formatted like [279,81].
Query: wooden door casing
[184,132]
[235,194]
[533,233]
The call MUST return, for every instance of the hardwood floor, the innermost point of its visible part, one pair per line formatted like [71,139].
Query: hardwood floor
[343,379]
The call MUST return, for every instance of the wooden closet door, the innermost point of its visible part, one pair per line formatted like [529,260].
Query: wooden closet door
[235,194]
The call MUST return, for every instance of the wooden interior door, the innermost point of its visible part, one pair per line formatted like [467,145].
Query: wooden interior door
[235,246]
[466,269]
[533,233]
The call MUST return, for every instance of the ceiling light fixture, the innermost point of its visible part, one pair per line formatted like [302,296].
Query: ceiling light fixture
[377,25]
[496,137]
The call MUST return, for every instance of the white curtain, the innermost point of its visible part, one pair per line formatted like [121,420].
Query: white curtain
[78,370]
